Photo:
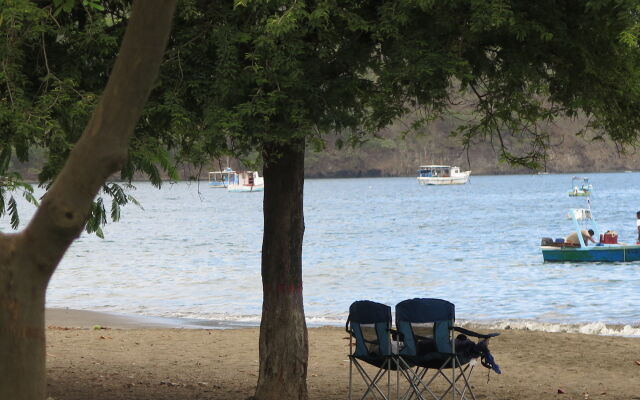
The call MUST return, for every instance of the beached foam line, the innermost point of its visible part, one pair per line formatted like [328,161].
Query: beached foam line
[591,328]
[195,320]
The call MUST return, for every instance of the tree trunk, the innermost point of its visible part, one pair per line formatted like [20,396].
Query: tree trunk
[29,258]
[284,345]
[22,347]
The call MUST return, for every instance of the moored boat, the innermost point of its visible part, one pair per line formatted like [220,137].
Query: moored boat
[246,181]
[220,179]
[442,175]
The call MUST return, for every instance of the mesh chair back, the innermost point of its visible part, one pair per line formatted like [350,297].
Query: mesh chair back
[425,323]
[370,323]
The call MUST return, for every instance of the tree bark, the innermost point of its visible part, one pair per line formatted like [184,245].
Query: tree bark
[29,258]
[284,344]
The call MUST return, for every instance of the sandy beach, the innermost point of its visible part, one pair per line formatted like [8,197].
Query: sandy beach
[104,356]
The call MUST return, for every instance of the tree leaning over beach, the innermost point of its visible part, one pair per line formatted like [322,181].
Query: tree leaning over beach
[29,258]
[280,77]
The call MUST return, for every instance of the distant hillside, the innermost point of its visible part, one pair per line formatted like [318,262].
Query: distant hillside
[390,155]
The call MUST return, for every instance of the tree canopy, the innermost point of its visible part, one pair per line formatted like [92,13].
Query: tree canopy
[244,73]
[238,74]
[56,59]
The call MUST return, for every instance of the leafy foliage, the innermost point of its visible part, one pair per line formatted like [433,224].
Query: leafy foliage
[55,62]
[241,74]
[8,185]
[244,73]
[522,62]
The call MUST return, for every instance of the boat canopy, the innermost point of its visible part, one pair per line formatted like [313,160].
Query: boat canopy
[437,170]
[434,166]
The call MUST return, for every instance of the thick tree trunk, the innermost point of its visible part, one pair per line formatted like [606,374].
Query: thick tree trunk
[22,347]
[28,259]
[283,332]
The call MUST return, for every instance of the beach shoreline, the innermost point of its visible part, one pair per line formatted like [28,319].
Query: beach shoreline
[75,318]
[83,319]
[103,356]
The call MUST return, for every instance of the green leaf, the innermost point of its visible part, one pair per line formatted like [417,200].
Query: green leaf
[13,213]
[30,198]
[5,158]
[115,211]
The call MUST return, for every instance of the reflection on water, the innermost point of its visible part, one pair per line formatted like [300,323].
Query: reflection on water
[195,251]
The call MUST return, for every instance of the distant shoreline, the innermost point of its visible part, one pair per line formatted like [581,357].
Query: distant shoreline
[369,174]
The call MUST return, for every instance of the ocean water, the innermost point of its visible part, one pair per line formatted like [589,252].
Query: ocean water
[194,252]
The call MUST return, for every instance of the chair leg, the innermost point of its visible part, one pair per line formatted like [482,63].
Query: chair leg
[350,375]
[462,375]
[453,373]
[459,374]
[413,379]
[388,368]
[372,383]
[417,385]
[466,377]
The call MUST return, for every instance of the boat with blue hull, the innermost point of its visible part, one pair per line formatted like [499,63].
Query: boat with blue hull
[575,248]
[598,253]
[220,179]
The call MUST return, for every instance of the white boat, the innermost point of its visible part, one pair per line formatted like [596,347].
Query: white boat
[442,175]
[246,181]
[220,179]
[580,187]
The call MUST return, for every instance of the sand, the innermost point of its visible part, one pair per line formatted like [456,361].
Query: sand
[143,359]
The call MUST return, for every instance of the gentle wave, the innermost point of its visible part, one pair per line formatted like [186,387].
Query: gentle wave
[589,328]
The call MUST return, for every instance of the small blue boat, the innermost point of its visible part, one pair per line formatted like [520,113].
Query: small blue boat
[606,249]
[598,253]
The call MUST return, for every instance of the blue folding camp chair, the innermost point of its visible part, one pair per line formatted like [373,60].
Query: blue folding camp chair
[369,327]
[426,330]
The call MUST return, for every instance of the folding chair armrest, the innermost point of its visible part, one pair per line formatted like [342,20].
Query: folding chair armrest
[475,334]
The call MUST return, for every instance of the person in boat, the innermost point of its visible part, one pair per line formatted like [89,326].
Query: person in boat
[587,235]
[638,225]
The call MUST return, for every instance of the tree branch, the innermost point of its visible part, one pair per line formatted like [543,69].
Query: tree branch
[102,149]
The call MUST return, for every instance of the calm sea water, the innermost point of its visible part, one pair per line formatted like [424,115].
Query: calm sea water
[194,252]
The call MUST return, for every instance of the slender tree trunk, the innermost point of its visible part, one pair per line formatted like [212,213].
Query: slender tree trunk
[284,345]
[28,259]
